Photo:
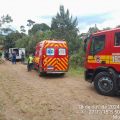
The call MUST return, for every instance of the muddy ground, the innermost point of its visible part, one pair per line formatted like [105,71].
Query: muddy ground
[26,96]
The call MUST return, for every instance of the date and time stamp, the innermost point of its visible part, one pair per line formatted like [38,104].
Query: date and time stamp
[113,110]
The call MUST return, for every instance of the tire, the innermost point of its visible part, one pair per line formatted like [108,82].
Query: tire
[62,74]
[104,84]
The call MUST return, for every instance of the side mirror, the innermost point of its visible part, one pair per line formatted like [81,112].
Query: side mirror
[85,44]
[84,48]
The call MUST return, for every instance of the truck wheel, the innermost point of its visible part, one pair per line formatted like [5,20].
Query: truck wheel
[62,74]
[104,84]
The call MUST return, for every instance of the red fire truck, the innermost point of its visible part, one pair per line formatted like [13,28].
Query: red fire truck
[103,61]
[51,56]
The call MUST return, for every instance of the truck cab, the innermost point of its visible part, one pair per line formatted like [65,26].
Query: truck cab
[102,61]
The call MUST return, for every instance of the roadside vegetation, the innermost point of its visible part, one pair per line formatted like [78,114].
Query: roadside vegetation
[63,26]
[78,71]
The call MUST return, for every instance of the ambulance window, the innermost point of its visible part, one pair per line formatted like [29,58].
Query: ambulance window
[98,44]
[62,51]
[50,51]
[117,39]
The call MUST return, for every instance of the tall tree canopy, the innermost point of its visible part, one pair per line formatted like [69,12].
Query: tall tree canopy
[11,39]
[64,26]
[2,38]
[3,21]
[29,42]
[38,27]
[6,19]
[93,29]
[22,29]
[30,23]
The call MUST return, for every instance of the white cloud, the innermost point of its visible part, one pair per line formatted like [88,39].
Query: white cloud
[22,10]
[113,22]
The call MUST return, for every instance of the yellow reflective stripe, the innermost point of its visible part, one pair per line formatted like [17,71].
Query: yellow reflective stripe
[46,62]
[107,58]
[52,61]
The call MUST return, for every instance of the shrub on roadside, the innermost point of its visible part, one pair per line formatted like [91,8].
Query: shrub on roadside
[77,60]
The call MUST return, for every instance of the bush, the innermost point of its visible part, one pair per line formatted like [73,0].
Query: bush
[77,60]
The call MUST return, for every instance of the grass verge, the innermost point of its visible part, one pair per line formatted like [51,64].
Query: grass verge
[76,71]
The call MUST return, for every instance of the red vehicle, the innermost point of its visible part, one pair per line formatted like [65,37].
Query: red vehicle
[51,57]
[103,61]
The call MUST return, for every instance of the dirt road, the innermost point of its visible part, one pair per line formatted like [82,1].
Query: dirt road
[26,96]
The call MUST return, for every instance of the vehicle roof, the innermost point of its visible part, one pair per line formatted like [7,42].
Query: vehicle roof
[106,31]
[16,48]
[50,41]
[53,41]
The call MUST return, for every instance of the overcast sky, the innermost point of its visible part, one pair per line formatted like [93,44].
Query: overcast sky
[103,13]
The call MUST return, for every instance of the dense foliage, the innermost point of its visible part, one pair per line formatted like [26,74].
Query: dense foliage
[63,26]
[38,27]
[29,42]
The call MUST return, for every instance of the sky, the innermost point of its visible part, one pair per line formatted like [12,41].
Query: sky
[103,13]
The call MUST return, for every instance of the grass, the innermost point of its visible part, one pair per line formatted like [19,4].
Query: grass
[76,71]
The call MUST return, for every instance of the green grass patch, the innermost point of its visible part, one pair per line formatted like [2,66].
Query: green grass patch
[76,71]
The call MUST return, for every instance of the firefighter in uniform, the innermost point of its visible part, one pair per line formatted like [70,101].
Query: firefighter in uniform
[30,63]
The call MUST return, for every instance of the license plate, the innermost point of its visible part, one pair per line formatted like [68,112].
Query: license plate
[50,67]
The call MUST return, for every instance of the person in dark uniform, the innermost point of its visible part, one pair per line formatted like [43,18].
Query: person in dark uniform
[22,57]
[14,57]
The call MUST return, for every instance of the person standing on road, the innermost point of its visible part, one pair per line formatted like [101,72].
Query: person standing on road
[22,57]
[30,62]
[14,57]
[6,55]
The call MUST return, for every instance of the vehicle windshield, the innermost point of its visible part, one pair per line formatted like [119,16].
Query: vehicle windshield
[98,44]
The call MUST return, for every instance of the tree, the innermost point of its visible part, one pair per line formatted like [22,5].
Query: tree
[24,42]
[11,39]
[107,28]
[118,26]
[29,42]
[6,30]
[5,20]
[30,23]
[93,29]
[38,27]
[65,27]
[2,38]
[22,29]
